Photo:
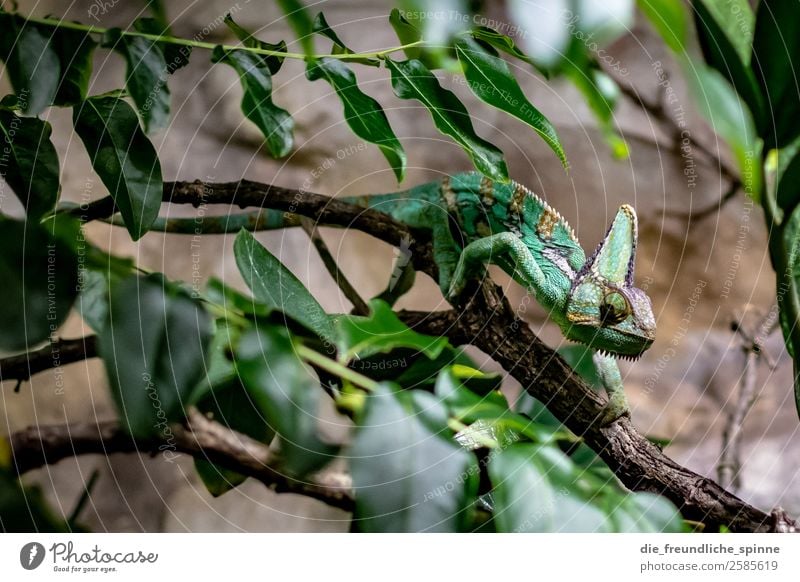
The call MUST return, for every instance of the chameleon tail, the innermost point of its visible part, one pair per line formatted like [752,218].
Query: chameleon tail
[404,205]
[394,204]
[264,219]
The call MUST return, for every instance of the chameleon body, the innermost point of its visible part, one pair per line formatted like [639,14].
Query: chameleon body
[475,221]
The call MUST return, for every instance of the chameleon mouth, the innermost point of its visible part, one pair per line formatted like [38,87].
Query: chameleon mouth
[618,355]
[629,357]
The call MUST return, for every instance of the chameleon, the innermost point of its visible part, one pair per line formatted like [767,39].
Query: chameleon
[475,221]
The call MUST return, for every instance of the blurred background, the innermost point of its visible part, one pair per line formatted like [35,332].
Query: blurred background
[707,272]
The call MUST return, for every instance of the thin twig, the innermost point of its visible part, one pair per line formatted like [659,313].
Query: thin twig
[359,305]
[659,113]
[730,463]
[711,209]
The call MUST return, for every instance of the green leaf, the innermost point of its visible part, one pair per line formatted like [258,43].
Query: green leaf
[39,271]
[713,22]
[94,299]
[437,20]
[175,56]
[406,32]
[409,475]
[579,358]
[730,118]
[364,115]
[225,400]
[732,19]
[300,22]
[668,17]
[788,190]
[412,80]
[488,414]
[466,406]
[275,123]
[537,488]
[288,395]
[380,332]
[218,291]
[601,94]
[31,164]
[23,508]
[100,274]
[776,61]
[124,159]
[32,63]
[276,286]
[490,79]
[75,51]
[217,479]
[339,48]
[503,43]
[273,63]
[219,373]
[154,349]
[422,372]
[145,78]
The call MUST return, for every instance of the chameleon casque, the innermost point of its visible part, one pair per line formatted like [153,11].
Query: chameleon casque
[475,221]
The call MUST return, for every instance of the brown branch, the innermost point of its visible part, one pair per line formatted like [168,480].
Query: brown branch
[200,437]
[359,305]
[657,111]
[490,323]
[752,340]
[54,355]
[711,209]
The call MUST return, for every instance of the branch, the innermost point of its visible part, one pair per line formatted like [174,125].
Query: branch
[697,215]
[200,437]
[58,353]
[490,323]
[752,341]
[660,114]
[359,305]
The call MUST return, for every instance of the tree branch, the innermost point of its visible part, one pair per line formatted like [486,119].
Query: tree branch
[199,437]
[359,305]
[752,344]
[489,322]
[58,353]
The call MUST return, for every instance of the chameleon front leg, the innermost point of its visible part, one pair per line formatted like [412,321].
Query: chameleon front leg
[505,249]
[608,370]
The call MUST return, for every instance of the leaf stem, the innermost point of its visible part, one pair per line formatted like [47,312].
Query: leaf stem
[222,311]
[210,46]
[336,368]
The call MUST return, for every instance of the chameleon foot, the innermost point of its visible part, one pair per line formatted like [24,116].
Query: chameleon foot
[616,408]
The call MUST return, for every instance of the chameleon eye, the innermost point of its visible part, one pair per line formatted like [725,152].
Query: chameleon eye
[614,308]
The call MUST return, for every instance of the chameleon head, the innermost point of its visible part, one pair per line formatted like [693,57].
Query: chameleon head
[604,309]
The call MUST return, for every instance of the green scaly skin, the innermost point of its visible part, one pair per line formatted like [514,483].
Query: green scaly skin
[474,221]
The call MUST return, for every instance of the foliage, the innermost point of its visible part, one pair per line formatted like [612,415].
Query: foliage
[423,414]
[745,87]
